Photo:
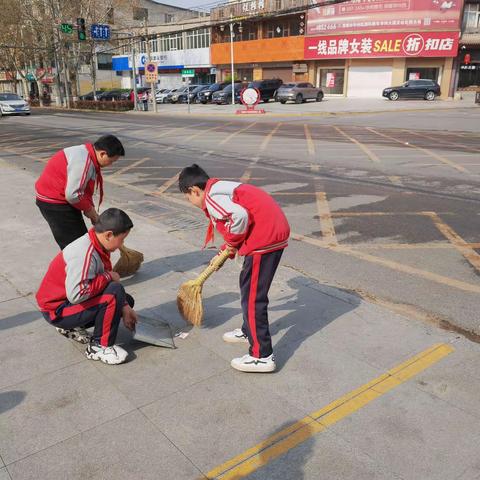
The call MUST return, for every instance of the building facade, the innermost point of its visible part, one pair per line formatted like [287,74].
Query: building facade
[358,48]
[172,52]
[352,49]
[469,53]
[266,44]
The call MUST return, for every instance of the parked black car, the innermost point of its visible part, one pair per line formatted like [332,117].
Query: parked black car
[194,91]
[267,88]
[225,96]
[90,96]
[111,95]
[426,89]
[206,95]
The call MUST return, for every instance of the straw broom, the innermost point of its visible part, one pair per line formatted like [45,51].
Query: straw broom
[189,297]
[129,261]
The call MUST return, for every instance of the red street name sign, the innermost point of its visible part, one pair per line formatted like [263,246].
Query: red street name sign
[364,45]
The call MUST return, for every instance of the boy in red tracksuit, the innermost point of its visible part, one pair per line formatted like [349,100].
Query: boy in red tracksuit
[252,223]
[65,188]
[80,290]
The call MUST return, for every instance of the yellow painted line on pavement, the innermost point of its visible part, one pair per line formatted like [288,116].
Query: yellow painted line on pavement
[269,137]
[290,437]
[129,167]
[443,142]
[203,132]
[438,157]
[371,155]
[398,267]
[456,240]
[234,134]
[326,223]
[309,140]
[163,188]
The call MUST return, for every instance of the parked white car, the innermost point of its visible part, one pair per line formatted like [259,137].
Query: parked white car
[161,95]
[12,104]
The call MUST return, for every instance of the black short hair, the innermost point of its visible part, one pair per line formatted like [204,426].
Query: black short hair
[193,176]
[110,144]
[113,220]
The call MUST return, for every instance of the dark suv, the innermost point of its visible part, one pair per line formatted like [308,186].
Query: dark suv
[205,96]
[427,89]
[267,88]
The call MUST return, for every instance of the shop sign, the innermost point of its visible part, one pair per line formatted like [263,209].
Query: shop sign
[330,80]
[384,15]
[414,76]
[468,67]
[435,44]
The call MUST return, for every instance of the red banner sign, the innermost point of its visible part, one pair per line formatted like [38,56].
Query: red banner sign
[384,15]
[441,44]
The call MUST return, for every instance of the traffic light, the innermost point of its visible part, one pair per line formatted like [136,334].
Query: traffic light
[82,32]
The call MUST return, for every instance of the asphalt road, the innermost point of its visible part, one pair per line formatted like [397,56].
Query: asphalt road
[383,204]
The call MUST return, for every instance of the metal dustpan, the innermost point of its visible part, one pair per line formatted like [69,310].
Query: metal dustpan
[153,332]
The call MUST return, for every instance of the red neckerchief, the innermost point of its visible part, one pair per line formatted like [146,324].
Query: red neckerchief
[104,255]
[98,171]
[209,236]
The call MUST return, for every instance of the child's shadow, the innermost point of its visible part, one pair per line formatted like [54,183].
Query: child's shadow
[175,263]
[311,309]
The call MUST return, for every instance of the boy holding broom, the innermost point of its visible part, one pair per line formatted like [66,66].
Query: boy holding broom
[80,290]
[65,188]
[252,223]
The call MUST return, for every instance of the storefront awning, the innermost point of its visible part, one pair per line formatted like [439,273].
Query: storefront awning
[471,39]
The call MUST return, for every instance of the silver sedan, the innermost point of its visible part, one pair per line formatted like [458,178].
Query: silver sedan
[298,92]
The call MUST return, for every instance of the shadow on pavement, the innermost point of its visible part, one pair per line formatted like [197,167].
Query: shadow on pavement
[175,263]
[11,399]
[310,311]
[19,319]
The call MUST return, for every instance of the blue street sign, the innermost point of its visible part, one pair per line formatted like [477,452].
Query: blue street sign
[100,32]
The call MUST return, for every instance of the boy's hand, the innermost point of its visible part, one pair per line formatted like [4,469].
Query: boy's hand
[115,276]
[92,215]
[129,316]
[232,250]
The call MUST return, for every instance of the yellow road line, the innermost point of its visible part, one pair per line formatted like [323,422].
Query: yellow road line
[276,445]
[396,180]
[308,138]
[443,142]
[269,137]
[326,223]
[371,155]
[203,132]
[438,157]
[456,240]
[163,188]
[234,134]
[405,246]
[377,214]
[129,167]
[398,267]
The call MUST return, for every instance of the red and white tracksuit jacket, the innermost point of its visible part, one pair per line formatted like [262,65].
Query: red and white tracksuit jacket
[247,217]
[70,177]
[76,274]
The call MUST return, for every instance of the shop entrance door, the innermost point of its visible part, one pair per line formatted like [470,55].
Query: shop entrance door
[331,80]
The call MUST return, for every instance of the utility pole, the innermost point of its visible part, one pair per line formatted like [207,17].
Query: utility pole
[231,58]
[134,73]
[152,85]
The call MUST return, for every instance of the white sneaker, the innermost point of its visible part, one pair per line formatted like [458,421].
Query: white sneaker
[235,336]
[111,355]
[78,334]
[247,363]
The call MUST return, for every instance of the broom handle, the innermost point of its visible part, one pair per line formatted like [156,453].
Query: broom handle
[217,262]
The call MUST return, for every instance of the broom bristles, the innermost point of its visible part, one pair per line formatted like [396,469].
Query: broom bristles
[129,262]
[189,302]
[189,297]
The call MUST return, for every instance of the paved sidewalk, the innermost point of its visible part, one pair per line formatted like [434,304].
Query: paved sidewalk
[177,414]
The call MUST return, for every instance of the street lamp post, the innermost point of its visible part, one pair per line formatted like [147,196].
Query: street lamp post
[231,25]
